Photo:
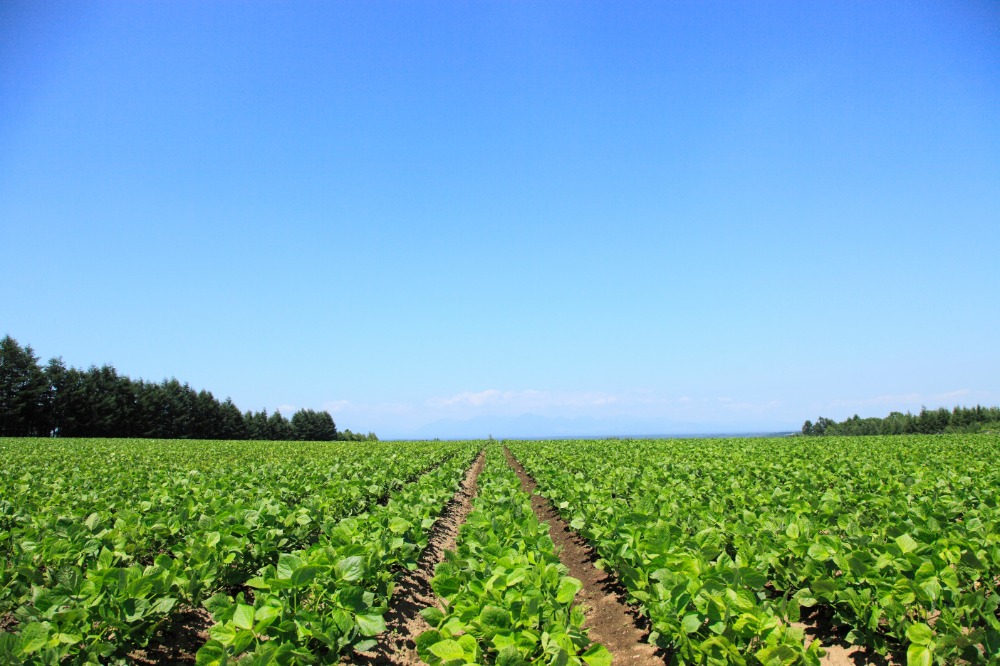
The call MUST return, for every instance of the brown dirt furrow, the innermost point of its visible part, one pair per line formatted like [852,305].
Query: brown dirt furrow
[818,624]
[177,640]
[413,590]
[845,654]
[610,621]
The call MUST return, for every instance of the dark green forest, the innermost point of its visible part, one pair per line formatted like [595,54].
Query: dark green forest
[927,422]
[56,401]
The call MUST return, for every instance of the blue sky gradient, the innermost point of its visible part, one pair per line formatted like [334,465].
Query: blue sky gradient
[646,217]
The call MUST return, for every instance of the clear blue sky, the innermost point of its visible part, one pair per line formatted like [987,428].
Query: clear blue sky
[648,216]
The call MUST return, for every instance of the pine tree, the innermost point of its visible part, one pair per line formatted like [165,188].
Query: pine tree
[24,391]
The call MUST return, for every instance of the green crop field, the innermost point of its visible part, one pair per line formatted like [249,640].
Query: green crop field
[737,551]
[103,539]
[724,542]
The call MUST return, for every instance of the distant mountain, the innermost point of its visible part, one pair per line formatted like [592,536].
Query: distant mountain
[527,426]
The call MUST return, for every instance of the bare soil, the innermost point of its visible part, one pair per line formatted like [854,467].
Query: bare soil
[818,624]
[610,621]
[177,640]
[413,590]
[8,622]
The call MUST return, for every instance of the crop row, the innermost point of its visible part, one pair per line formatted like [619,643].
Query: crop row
[724,543]
[317,603]
[105,539]
[506,597]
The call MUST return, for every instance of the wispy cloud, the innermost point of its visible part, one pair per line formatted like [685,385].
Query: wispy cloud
[349,407]
[594,403]
[724,412]
[746,407]
[651,408]
[525,399]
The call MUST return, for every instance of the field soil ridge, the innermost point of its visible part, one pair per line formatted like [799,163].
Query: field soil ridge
[413,591]
[177,641]
[610,621]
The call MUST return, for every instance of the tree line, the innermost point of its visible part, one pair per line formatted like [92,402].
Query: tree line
[927,422]
[57,401]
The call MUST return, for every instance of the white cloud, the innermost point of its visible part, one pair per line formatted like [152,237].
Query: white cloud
[348,406]
[649,408]
[527,399]
[592,403]
[753,407]
[694,411]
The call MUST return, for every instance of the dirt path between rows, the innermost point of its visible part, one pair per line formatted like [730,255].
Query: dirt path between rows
[413,590]
[177,641]
[839,652]
[610,621]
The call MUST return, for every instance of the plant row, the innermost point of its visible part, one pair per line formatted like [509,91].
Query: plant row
[317,603]
[102,540]
[506,598]
[727,545]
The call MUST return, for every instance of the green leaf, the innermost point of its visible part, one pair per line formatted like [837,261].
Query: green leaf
[568,588]
[399,525]
[258,584]
[691,623]
[243,618]
[919,633]
[432,615]
[218,603]
[597,655]
[425,640]
[445,586]
[242,641]
[805,598]
[305,575]
[448,650]
[970,560]
[370,625]
[924,572]
[212,653]
[906,543]
[777,655]
[354,598]
[287,564]
[469,644]
[365,645]
[224,634]
[135,609]
[492,616]
[350,568]
[164,605]
[516,576]
[34,636]
[510,656]
[918,655]
[950,578]
[821,552]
